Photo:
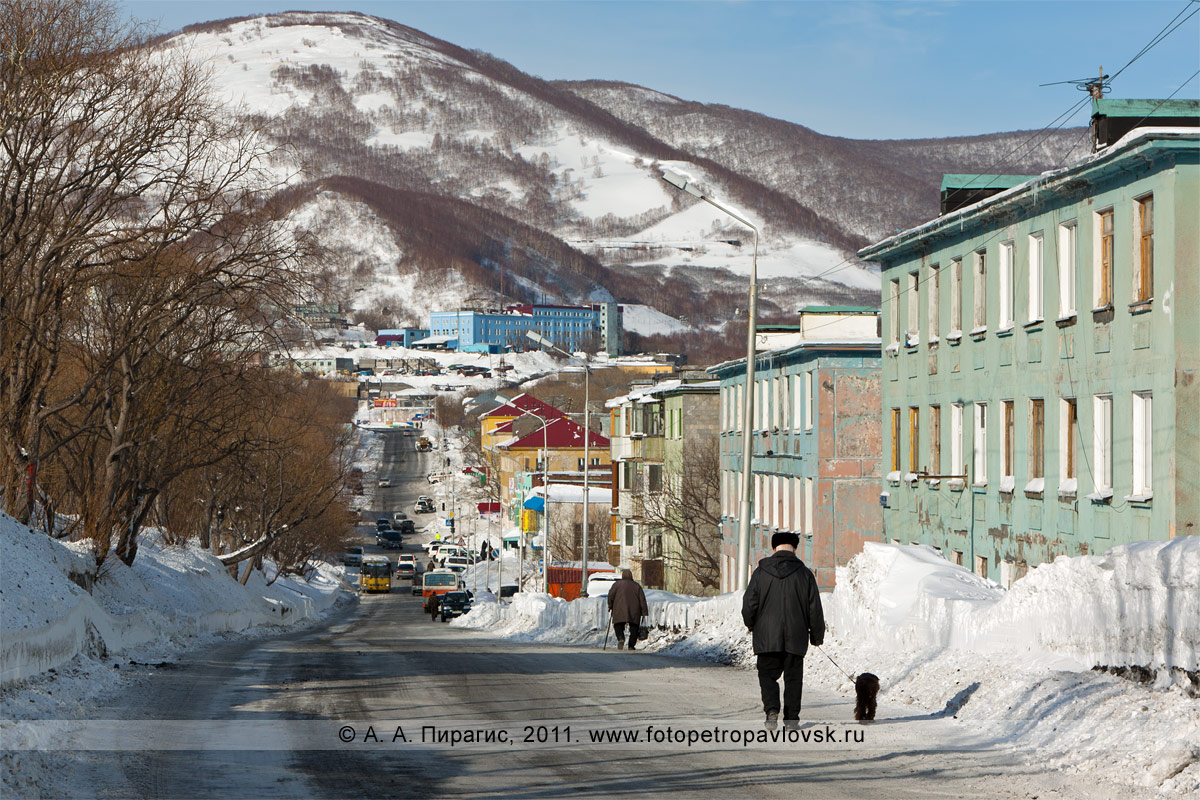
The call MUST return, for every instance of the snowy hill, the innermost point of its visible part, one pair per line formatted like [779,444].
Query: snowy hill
[434,176]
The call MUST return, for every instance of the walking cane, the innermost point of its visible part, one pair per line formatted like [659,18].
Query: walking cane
[607,628]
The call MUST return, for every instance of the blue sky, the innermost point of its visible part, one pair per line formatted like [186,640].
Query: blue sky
[858,69]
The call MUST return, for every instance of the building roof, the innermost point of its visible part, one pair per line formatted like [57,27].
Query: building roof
[1126,107]
[559,434]
[968,181]
[522,404]
[573,493]
[1139,141]
[836,310]
[874,345]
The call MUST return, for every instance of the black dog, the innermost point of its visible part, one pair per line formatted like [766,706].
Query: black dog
[866,689]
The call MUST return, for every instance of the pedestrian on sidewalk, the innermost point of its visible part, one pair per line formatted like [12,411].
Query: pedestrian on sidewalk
[782,609]
[627,603]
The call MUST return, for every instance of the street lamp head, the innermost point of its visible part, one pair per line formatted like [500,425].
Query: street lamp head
[680,182]
[537,337]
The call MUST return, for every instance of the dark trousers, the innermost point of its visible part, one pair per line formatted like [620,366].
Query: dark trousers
[791,667]
[635,630]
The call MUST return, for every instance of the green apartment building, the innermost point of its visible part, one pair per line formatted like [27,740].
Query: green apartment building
[1040,389]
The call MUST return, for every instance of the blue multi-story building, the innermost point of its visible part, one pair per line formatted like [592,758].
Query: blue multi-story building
[590,328]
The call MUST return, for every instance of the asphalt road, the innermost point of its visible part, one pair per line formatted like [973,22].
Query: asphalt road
[383,659]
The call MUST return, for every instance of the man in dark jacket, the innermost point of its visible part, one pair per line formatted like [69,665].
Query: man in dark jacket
[627,603]
[782,609]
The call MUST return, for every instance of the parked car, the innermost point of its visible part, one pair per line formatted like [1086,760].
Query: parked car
[389,540]
[424,506]
[454,604]
[352,557]
[600,582]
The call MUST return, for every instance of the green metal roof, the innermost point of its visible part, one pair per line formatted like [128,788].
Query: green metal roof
[838,310]
[983,181]
[1145,108]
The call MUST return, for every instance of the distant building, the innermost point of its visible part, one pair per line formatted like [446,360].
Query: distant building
[401,337]
[816,443]
[1041,378]
[590,328]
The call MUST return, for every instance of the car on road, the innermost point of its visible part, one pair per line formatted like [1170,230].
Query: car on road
[385,483]
[352,557]
[389,540]
[457,563]
[399,517]
[383,523]
[407,527]
[454,604]
[406,570]
[424,505]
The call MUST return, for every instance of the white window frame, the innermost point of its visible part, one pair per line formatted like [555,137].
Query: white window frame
[797,401]
[1007,294]
[956,286]
[956,438]
[809,502]
[808,400]
[934,302]
[1066,441]
[1068,246]
[1037,252]
[1143,445]
[979,291]
[894,311]
[979,473]
[912,336]
[1102,443]
[1008,407]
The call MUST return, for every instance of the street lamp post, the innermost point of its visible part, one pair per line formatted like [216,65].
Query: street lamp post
[587,462]
[743,550]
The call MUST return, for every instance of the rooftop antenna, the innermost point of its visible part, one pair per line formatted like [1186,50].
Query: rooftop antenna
[1096,87]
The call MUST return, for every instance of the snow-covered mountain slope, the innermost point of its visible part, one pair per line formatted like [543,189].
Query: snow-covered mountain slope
[436,176]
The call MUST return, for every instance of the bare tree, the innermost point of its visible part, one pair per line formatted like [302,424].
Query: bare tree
[688,512]
[142,267]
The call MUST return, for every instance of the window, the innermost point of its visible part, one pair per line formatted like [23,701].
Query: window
[1102,278]
[981,422]
[1008,454]
[1068,427]
[809,510]
[1066,269]
[913,335]
[934,301]
[1102,443]
[654,477]
[1143,439]
[894,310]
[629,536]
[935,440]
[1143,273]
[981,565]
[1035,277]
[810,400]
[797,401]
[1037,439]
[979,320]
[914,439]
[956,557]
[895,440]
[956,296]
[1006,286]
[956,438]
[758,405]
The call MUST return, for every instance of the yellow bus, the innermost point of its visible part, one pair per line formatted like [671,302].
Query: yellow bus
[375,574]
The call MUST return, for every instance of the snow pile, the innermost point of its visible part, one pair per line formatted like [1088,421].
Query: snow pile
[1014,668]
[48,617]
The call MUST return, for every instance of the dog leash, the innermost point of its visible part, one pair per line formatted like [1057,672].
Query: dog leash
[831,661]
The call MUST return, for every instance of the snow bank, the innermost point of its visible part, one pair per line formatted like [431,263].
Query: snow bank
[47,617]
[1012,667]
